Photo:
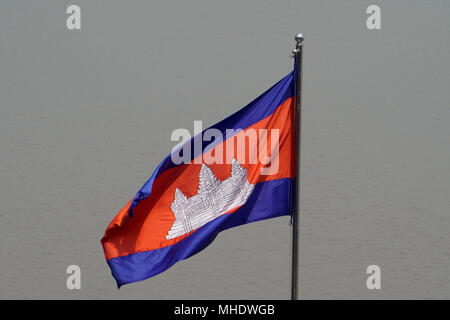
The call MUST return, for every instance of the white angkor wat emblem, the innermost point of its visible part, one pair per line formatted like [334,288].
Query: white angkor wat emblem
[213,198]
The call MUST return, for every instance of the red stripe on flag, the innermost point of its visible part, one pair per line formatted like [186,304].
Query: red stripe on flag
[153,218]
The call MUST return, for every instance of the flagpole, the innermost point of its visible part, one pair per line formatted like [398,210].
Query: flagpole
[297,54]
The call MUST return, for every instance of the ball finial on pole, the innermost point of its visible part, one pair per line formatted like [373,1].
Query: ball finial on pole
[299,39]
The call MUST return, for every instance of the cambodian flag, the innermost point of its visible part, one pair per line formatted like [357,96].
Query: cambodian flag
[240,170]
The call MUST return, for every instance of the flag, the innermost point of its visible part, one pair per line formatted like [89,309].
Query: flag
[237,171]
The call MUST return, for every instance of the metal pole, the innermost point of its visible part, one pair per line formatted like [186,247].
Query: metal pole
[297,53]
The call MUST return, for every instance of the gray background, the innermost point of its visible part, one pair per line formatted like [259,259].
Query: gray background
[85,117]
